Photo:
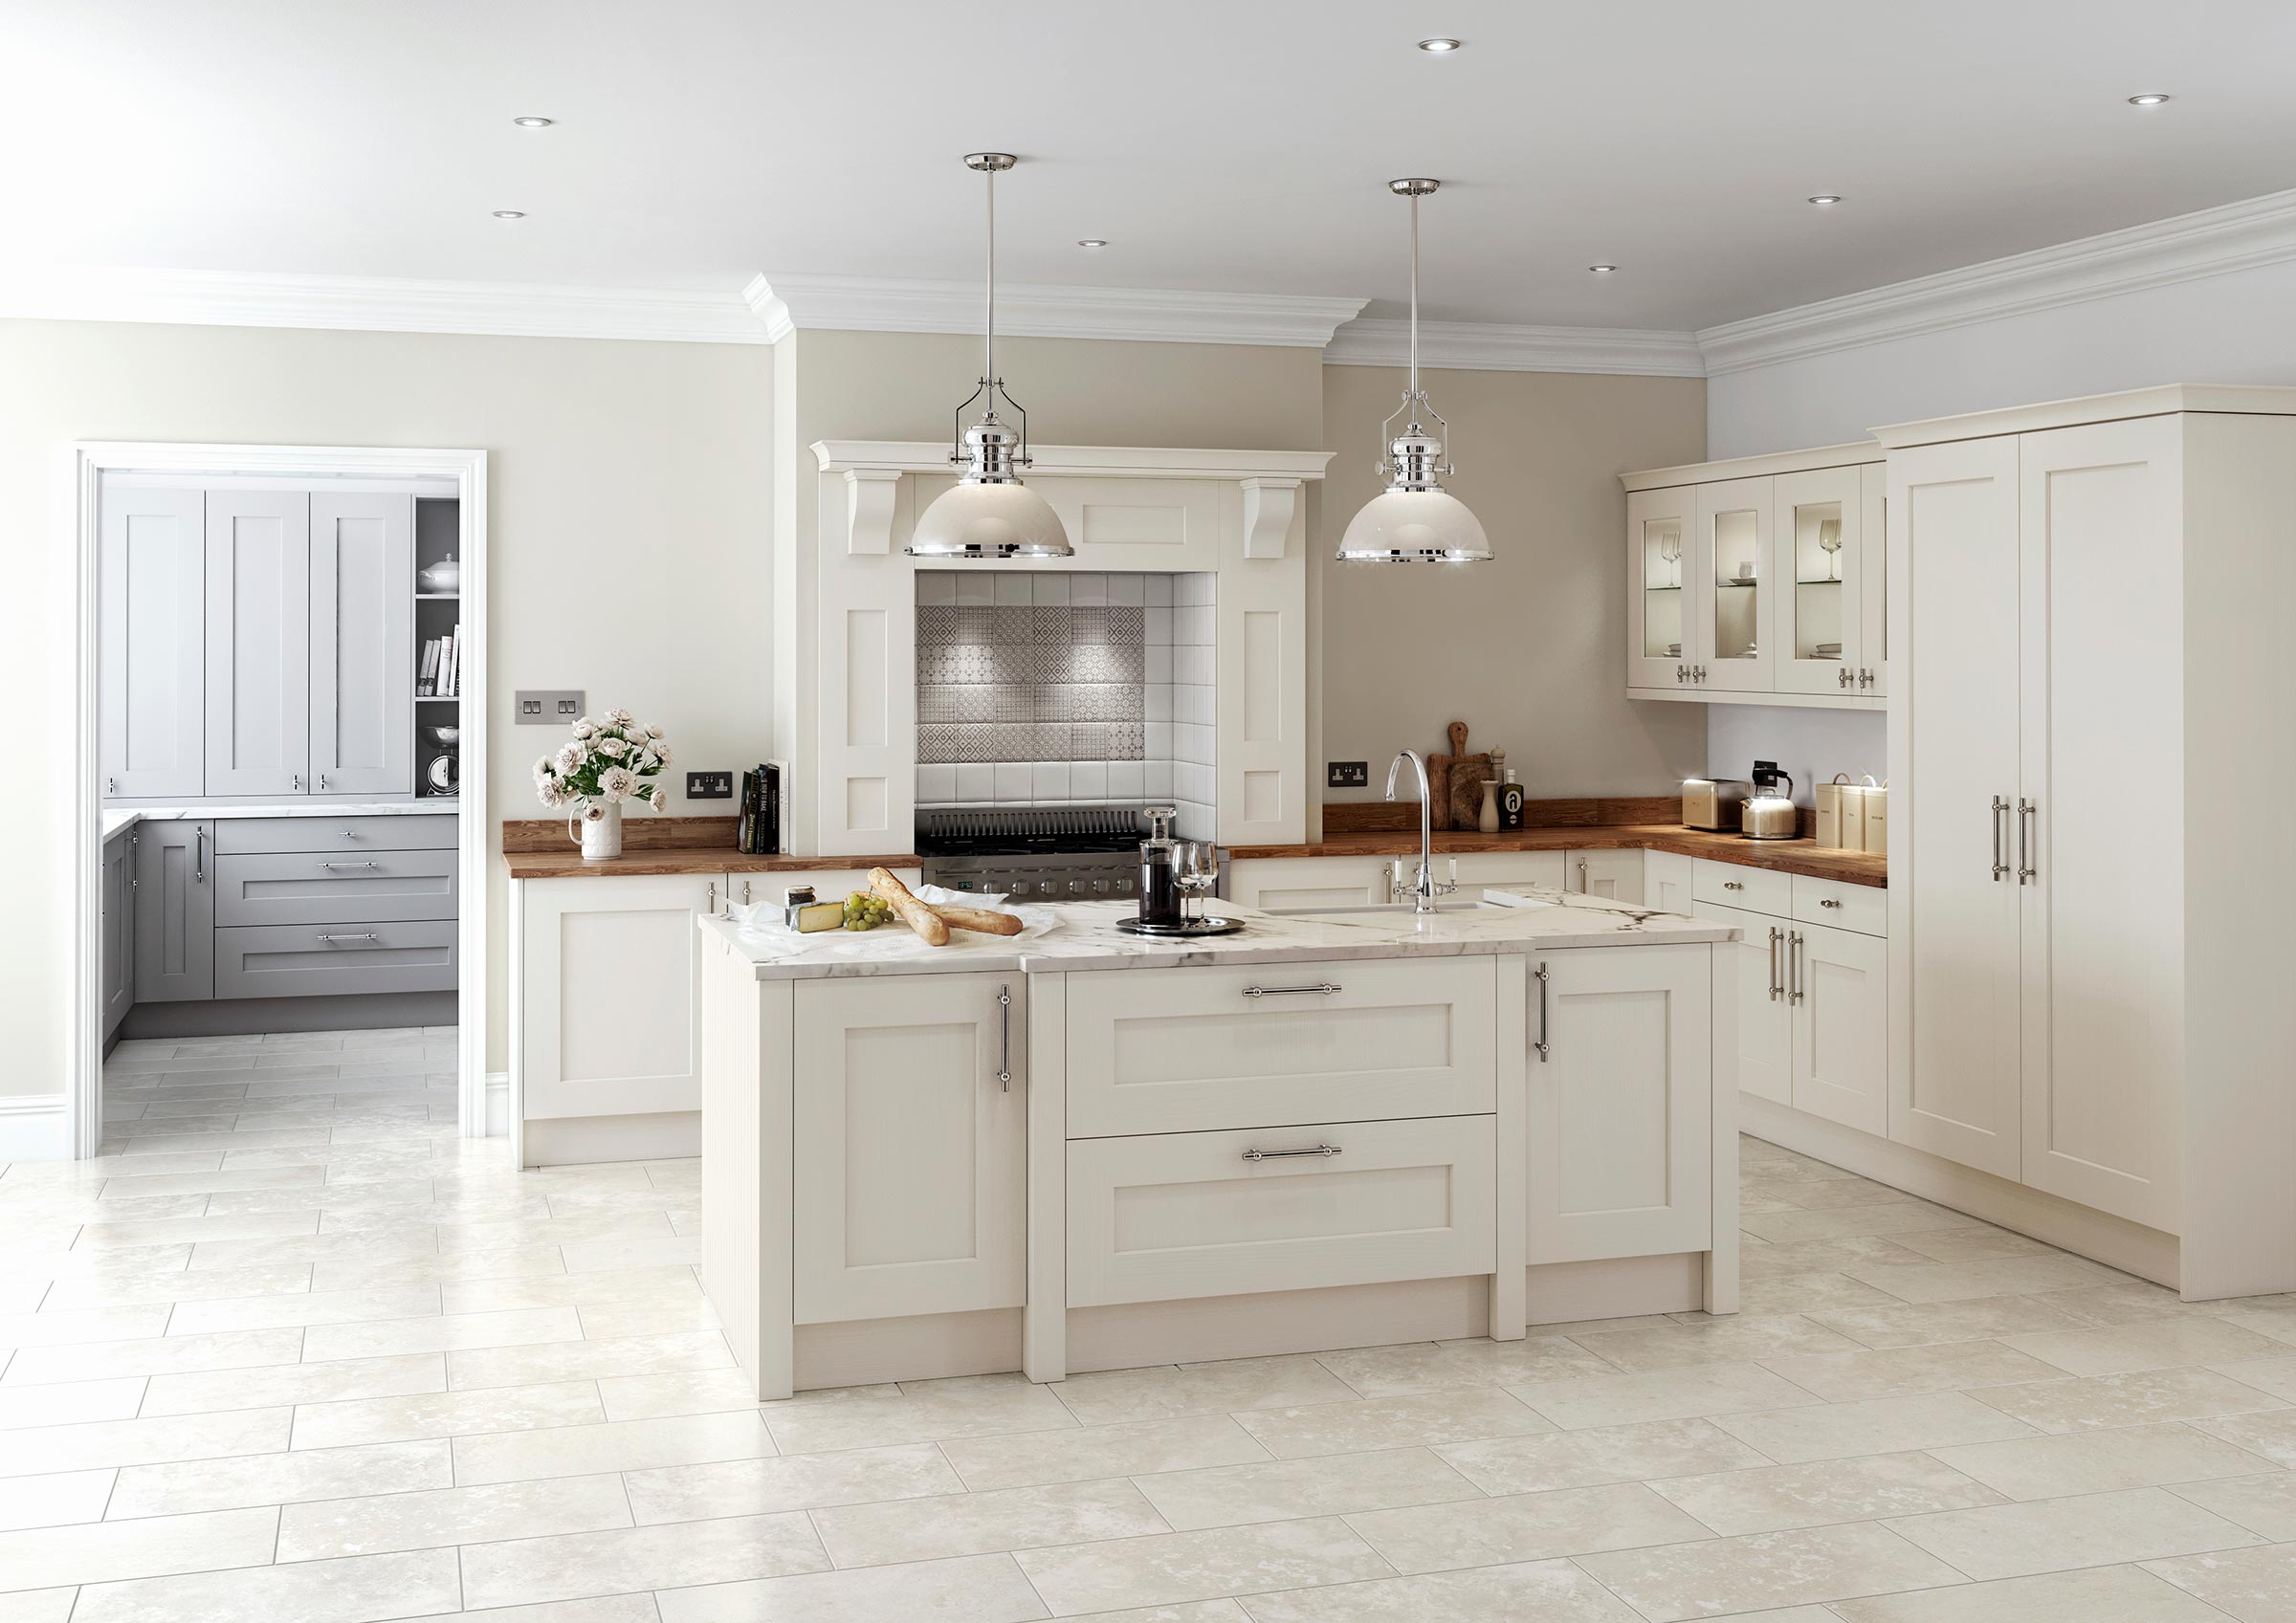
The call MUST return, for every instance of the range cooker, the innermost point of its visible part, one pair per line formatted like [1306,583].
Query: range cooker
[1037,853]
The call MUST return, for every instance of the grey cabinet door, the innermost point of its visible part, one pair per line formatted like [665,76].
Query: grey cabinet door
[258,642]
[175,911]
[152,687]
[361,644]
[118,928]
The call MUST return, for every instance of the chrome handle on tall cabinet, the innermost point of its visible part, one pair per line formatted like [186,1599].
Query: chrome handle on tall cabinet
[1539,974]
[1286,1154]
[2026,873]
[199,856]
[2000,866]
[1777,974]
[1005,1039]
[1322,988]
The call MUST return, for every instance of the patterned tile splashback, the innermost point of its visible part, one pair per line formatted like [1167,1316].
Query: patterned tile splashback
[1036,683]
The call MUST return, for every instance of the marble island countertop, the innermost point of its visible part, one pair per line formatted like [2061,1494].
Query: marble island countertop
[118,818]
[1519,918]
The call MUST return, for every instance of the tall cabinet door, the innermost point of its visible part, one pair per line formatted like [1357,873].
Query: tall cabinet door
[2101,641]
[175,911]
[153,578]
[1658,571]
[1620,1111]
[361,644]
[1818,608]
[911,1124]
[1954,766]
[1732,575]
[259,653]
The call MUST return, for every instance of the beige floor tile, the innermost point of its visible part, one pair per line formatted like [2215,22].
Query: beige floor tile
[1603,1454]
[1876,1425]
[934,1411]
[52,1501]
[1389,1371]
[43,1606]
[604,1256]
[159,1355]
[347,1378]
[153,1547]
[2159,1344]
[982,1523]
[1955,1282]
[2266,1504]
[2270,1435]
[1972,1244]
[2123,1302]
[2054,1535]
[1169,1567]
[1529,1526]
[528,1571]
[39,1449]
[1549,1591]
[1660,1394]
[2098,1594]
[181,1286]
[586,1360]
[470,1515]
[1737,1339]
[979,1589]
[1454,1416]
[280,1479]
[168,1231]
[1776,1498]
[569,1290]
[804,1481]
[2276,1375]
[1083,1453]
[2252,1585]
[2096,1461]
[1846,1222]
[1983,1318]
[1325,1485]
[447,1414]
[1804,1567]
[651,1316]
[1185,1612]
[628,1445]
[1825,1256]
[1905,1370]
[454,1332]
[699,1392]
[1814,1294]
[69,1402]
[2083,1401]
[81,1327]
[1823,1193]
[1167,1391]
[302,1308]
[601,1608]
[360,1590]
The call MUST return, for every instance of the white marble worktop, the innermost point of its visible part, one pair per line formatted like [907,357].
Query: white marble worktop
[1520,918]
[118,818]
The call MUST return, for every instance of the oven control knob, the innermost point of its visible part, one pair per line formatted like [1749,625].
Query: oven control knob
[1099,887]
[1076,887]
[1048,886]
[1124,886]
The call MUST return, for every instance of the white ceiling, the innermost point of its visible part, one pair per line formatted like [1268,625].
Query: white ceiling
[1239,146]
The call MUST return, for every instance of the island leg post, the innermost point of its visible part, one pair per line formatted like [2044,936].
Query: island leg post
[1045,1316]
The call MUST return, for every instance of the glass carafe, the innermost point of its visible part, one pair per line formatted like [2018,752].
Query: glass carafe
[1160,872]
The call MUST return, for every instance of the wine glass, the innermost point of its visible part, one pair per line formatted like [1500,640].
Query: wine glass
[1669,549]
[1829,541]
[1196,870]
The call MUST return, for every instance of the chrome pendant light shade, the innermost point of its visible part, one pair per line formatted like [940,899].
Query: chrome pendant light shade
[1414,519]
[989,512]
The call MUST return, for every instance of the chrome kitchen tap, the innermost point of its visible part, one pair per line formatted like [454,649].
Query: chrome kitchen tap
[1423,889]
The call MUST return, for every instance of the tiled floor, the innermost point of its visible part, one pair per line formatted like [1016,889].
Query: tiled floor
[294,1353]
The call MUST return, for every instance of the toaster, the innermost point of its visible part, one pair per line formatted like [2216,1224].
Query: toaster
[1714,802]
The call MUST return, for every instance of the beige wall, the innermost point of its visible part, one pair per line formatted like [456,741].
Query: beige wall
[1529,649]
[630,529]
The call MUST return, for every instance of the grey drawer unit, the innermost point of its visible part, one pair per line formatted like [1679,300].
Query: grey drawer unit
[309,960]
[242,836]
[335,887]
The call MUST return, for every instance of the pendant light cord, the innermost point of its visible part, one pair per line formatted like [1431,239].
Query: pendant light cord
[1415,306]
[988,346]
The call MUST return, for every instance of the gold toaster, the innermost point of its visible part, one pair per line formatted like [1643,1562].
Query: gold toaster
[1714,802]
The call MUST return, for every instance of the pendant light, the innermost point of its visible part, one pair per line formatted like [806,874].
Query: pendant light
[1414,519]
[988,513]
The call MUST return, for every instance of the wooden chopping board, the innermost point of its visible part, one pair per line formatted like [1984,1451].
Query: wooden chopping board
[1455,780]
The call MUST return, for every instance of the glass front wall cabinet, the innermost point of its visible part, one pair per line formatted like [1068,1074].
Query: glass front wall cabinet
[1658,654]
[1732,577]
[1820,606]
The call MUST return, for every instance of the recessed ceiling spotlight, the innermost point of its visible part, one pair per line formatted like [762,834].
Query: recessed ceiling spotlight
[1826,199]
[2150,98]
[1602,270]
[1092,242]
[533,122]
[510,213]
[1439,46]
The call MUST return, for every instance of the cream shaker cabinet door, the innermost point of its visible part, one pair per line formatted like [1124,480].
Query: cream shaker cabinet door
[1765,1022]
[1660,628]
[1620,1112]
[258,642]
[1837,985]
[1667,882]
[152,664]
[361,644]
[911,1193]
[1288,884]
[1818,610]
[1954,902]
[1731,578]
[1617,876]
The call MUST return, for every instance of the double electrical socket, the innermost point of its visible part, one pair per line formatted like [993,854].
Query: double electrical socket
[709,785]
[1347,775]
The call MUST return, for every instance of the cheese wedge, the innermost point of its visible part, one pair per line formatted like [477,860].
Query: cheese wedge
[819,915]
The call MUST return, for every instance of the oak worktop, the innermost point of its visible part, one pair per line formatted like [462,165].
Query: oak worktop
[632,864]
[1782,856]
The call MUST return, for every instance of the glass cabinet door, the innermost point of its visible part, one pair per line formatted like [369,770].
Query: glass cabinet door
[1658,574]
[1819,609]
[1729,581]
[1873,556]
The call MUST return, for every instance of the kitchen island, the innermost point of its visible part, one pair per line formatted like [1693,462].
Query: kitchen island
[1091,1151]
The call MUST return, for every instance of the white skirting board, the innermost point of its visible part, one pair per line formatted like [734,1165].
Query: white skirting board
[497,1104]
[568,1141]
[2083,1230]
[37,1128]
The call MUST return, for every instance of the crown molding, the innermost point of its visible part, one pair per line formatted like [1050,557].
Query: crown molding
[1133,462]
[887,305]
[1477,347]
[2214,242]
[389,305]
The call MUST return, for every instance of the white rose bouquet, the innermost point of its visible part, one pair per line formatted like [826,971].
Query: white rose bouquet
[608,762]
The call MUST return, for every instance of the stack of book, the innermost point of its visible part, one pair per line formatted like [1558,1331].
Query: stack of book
[440,674]
[765,810]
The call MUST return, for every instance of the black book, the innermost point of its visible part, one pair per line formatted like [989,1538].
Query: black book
[743,841]
[769,841]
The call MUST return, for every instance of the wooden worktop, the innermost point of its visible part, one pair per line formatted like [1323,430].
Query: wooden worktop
[538,848]
[1783,856]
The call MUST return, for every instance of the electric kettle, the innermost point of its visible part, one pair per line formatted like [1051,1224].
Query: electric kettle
[1767,814]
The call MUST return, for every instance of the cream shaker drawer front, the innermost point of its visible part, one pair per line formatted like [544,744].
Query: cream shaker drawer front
[1862,907]
[1757,890]
[1182,1050]
[1221,1214]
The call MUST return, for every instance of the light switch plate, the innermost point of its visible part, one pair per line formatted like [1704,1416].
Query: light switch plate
[548,707]
[709,785]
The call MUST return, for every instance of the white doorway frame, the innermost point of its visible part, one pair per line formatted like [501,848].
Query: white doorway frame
[88,462]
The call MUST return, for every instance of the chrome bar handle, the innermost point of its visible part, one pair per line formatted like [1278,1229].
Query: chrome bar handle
[708,906]
[1777,986]
[745,896]
[346,865]
[2026,870]
[1287,1155]
[1323,988]
[2000,867]
[369,936]
[199,856]
[1539,974]
[1582,876]
[1794,944]
[1005,1039]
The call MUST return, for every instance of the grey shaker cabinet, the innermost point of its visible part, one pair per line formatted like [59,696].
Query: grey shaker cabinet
[175,911]
[258,641]
[118,928]
[362,657]
[152,685]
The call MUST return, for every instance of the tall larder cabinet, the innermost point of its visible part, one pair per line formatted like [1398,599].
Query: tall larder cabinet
[2094,707]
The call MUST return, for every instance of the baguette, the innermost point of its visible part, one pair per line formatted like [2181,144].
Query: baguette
[986,920]
[930,926]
